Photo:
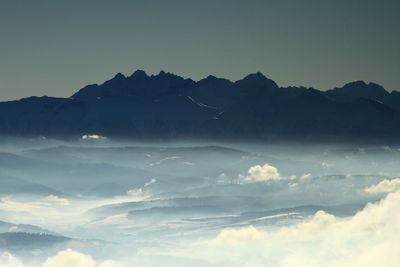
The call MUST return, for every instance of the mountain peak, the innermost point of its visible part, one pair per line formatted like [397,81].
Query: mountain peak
[363,86]
[255,76]
[357,90]
[357,83]
[119,76]
[139,74]
[256,80]
[164,74]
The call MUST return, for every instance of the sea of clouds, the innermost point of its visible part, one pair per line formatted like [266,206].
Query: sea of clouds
[98,202]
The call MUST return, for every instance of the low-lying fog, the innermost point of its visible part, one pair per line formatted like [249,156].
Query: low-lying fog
[95,202]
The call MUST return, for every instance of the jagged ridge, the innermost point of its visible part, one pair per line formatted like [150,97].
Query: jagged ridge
[169,106]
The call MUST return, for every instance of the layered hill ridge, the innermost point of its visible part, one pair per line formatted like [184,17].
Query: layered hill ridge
[169,106]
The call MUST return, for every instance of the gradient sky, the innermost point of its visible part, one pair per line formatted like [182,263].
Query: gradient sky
[54,48]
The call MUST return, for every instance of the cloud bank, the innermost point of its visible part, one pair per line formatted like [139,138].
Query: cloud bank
[370,238]
[385,186]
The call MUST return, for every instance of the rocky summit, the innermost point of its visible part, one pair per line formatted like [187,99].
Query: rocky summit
[166,105]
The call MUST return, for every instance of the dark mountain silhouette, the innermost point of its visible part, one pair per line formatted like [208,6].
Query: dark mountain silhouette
[168,106]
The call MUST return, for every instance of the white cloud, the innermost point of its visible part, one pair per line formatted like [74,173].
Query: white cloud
[325,165]
[233,237]
[260,173]
[384,186]
[64,258]
[45,205]
[92,136]
[152,181]
[9,260]
[314,228]
[385,253]
[8,204]
[136,192]
[57,200]
[110,263]
[370,238]
[69,258]
[305,177]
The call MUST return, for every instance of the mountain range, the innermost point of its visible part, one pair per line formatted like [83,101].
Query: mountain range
[167,106]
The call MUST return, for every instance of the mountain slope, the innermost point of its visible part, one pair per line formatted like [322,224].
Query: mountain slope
[168,106]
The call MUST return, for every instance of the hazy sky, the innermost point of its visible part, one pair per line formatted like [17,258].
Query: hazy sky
[51,47]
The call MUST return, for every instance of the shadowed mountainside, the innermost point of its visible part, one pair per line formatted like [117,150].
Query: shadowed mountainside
[168,106]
